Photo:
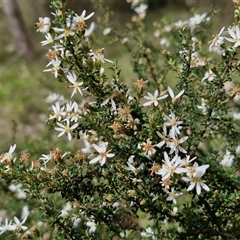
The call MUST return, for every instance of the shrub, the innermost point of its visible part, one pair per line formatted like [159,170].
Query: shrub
[151,161]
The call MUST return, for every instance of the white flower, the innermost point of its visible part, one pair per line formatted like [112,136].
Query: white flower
[192,170]
[82,17]
[90,30]
[196,181]
[25,211]
[72,78]
[106,31]
[98,55]
[217,42]
[165,42]
[235,36]
[203,106]
[49,39]
[236,116]
[227,160]
[197,19]
[170,167]
[185,162]
[131,159]
[67,208]
[172,95]
[18,226]
[238,150]
[76,222]
[167,28]
[164,137]
[122,234]
[172,195]
[141,10]
[172,121]
[79,22]
[124,40]
[148,233]
[236,98]
[71,106]
[103,153]
[56,67]
[133,169]
[209,75]
[17,189]
[106,101]
[134,3]
[65,54]
[154,197]
[6,227]
[88,139]
[92,226]
[174,211]
[194,177]
[46,158]
[195,57]
[43,25]
[153,99]
[175,145]
[53,97]
[58,112]
[66,128]
[67,31]
[116,204]
[180,24]
[8,156]
[72,111]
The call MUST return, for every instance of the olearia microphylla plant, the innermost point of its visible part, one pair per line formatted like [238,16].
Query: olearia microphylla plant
[151,160]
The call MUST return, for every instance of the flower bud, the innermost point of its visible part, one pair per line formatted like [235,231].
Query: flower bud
[143,202]
[131,193]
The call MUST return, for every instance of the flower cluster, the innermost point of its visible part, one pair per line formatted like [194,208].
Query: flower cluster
[163,32]
[170,139]
[75,27]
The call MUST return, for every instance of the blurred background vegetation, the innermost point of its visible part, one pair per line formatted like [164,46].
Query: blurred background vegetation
[23,85]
